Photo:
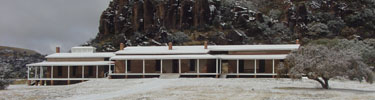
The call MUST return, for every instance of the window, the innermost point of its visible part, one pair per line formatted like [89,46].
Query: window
[91,69]
[129,65]
[158,65]
[262,66]
[241,66]
[106,59]
[74,72]
[59,70]
[192,64]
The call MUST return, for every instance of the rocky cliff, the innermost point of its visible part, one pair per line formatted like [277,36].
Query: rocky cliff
[189,22]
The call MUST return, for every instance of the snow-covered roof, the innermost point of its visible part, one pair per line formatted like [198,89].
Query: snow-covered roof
[233,57]
[163,50]
[83,49]
[200,49]
[140,57]
[86,63]
[81,55]
[252,47]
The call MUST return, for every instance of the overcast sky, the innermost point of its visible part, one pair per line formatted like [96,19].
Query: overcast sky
[41,25]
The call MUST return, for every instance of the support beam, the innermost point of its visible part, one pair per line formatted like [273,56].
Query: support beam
[28,76]
[36,72]
[179,66]
[52,83]
[217,68]
[143,69]
[198,68]
[273,68]
[238,66]
[126,68]
[109,71]
[68,75]
[97,72]
[255,68]
[83,71]
[161,66]
[220,65]
[28,72]
[40,72]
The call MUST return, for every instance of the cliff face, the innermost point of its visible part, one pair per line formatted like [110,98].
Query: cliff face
[187,22]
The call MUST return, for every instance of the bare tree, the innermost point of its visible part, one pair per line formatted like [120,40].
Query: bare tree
[321,63]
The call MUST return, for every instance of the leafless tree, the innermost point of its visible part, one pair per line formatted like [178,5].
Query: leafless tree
[320,63]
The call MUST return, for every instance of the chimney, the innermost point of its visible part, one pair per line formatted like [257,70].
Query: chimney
[122,46]
[297,41]
[57,49]
[170,46]
[205,44]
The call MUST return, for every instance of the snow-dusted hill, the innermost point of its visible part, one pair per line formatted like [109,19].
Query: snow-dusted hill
[194,89]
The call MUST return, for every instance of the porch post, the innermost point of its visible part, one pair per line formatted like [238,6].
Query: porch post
[97,71]
[198,67]
[161,66]
[238,65]
[41,72]
[68,75]
[273,68]
[217,66]
[179,66]
[255,68]
[28,72]
[52,72]
[35,72]
[51,75]
[126,68]
[143,72]
[28,75]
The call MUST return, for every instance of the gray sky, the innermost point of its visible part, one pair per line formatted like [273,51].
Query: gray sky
[41,25]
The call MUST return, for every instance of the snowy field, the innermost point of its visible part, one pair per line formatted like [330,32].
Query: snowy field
[194,89]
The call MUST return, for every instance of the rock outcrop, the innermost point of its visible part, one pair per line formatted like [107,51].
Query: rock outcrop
[156,22]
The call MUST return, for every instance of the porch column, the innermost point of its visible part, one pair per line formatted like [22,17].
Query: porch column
[68,75]
[273,68]
[28,75]
[217,66]
[238,65]
[35,72]
[179,66]
[41,72]
[126,68]
[198,67]
[97,72]
[143,67]
[109,71]
[161,66]
[255,68]
[52,75]
[28,72]
[40,75]
[83,71]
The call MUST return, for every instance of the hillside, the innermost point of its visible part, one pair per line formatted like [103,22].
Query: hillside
[189,22]
[15,60]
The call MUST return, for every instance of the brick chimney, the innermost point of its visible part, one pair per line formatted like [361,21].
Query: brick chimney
[170,46]
[297,41]
[57,49]
[122,46]
[205,44]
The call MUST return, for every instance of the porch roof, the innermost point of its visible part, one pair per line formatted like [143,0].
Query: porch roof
[81,55]
[141,57]
[234,57]
[163,50]
[253,47]
[85,63]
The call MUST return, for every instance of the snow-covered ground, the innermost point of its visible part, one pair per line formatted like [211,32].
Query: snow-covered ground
[195,89]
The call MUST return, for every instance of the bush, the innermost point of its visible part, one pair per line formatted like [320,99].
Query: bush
[4,84]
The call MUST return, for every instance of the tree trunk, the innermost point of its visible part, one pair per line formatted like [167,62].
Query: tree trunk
[324,84]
